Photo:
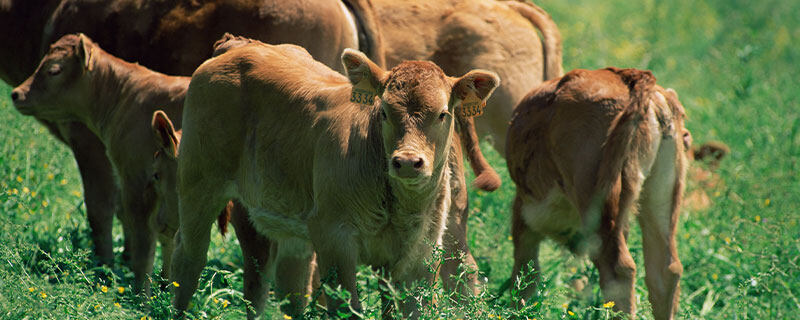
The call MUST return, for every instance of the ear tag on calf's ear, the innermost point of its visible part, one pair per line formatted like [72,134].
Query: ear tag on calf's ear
[471,106]
[363,92]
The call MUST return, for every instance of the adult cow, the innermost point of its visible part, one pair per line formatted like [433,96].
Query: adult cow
[171,37]
[461,35]
[320,163]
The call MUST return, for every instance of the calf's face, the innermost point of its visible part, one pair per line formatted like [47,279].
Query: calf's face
[165,163]
[59,83]
[418,105]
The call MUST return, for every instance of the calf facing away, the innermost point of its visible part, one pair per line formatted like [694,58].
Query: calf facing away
[78,81]
[366,182]
[586,150]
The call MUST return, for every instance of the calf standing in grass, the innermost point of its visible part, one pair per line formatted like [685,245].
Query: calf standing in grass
[78,81]
[320,163]
[585,151]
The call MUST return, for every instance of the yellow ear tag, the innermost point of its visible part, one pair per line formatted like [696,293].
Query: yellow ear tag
[471,106]
[363,92]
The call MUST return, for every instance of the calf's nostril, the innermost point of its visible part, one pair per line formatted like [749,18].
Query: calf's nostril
[418,163]
[14,96]
[396,163]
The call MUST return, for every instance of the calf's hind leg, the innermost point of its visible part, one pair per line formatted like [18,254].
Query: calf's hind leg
[660,201]
[526,251]
[255,252]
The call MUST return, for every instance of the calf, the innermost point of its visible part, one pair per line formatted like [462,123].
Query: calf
[172,37]
[585,151]
[78,81]
[320,164]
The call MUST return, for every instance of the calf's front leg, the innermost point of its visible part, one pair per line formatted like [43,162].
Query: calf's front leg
[337,258]
[101,193]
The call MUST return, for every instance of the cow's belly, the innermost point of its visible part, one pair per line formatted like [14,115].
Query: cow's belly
[554,216]
[277,209]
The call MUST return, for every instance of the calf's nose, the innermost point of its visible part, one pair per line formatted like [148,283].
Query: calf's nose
[407,165]
[14,95]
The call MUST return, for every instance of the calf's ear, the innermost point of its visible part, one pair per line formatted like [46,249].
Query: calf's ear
[84,51]
[366,76]
[165,134]
[471,91]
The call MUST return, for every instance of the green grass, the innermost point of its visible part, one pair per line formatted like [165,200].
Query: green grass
[735,66]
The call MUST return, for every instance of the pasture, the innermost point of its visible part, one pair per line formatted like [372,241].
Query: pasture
[734,65]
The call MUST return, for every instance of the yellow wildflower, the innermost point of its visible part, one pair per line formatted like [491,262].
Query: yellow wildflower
[50,176]
[216,300]
[608,305]
[76,193]
[564,306]
[97,307]
[287,317]
[104,289]
[44,295]
[31,289]
[45,166]
[175,284]
[728,240]
[571,313]
[758,218]
[19,179]
[63,181]
[33,193]
[116,304]
[510,238]
[714,276]
[121,290]
[225,303]
[25,190]
[14,191]
[766,202]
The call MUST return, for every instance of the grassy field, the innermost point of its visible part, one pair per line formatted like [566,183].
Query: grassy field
[735,66]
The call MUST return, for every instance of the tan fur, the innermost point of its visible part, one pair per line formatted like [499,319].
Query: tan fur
[461,35]
[115,100]
[331,169]
[586,150]
[172,37]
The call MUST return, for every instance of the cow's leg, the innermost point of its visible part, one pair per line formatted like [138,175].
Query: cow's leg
[255,252]
[337,257]
[292,274]
[137,209]
[526,253]
[101,193]
[612,258]
[617,272]
[660,200]
[458,270]
[166,239]
[198,209]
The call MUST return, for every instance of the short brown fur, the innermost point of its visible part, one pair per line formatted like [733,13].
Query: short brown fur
[355,183]
[586,150]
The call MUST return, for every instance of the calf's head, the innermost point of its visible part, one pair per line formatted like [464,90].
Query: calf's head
[418,103]
[165,166]
[59,85]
